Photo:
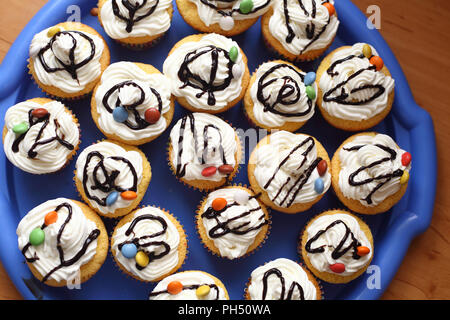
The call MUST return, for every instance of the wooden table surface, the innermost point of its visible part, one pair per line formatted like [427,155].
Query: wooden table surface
[417,32]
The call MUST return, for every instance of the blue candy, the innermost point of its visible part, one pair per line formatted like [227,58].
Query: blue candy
[129,250]
[112,197]
[310,77]
[120,114]
[318,185]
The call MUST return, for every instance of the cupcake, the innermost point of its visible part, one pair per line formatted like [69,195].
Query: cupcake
[137,23]
[370,172]
[40,135]
[232,222]
[280,96]
[291,171]
[189,285]
[149,244]
[230,17]
[356,90]
[300,31]
[282,279]
[112,177]
[204,151]
[132,103]
[63,242]
[209,72]
[67,60]
[337,246]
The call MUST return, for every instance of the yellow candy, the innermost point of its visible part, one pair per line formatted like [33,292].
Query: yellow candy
[52,31]
[202,291]
[405,177]
[142,259]
[367,51]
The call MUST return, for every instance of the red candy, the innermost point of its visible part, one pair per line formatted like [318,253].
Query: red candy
[226,169]
[406,159]
[152,115]
[39,113]
[322,167]
[337,267]
[208,172]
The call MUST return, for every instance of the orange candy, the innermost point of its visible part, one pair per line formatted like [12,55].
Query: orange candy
[377,62]
[174,287]
[362,251]
[330,8]
[128,195]
[219,203]
[50,218]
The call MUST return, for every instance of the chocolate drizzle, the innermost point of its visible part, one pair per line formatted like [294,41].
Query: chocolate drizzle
[352,179]
[288,94]
[190,287]
[301,180]
[279,275]
[339,250]
[139,122]
[63,262]
[153,249]
[232,11]
[132,12]
[32,153]
[72,67]
[195,81]
[104,180]
[222,228]
[311,29]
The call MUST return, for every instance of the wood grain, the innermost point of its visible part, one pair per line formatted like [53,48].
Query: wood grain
[417,32]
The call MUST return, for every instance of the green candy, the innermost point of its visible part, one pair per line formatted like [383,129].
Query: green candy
[311,93]
[233,53]
[246,6]
[21,128]
[37,236]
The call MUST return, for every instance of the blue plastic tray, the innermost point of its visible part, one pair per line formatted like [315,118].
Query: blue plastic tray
[408,124]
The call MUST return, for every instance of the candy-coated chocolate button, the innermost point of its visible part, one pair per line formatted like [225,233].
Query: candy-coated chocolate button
[318,185]
[111,198]
[39,113]
[405,177]
[310,77]
[37,236]
[377,62]
[94,12]
[50,218]
[246,6]
[129,250]
[233,53]
[174,287]
[330,8]
[21,128]
[202,291]
[128,195]
[208,172]
[52,31]
[241,196]
[219,203]
[311,92]
[226,169]
[362,251]
[120,114]
[236,71]
[226,23]
[322,167]
[152,115]
[337,267]
[142,259]
[367,51]
[406,159]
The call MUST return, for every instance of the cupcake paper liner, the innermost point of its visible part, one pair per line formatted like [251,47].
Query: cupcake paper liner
[142,46]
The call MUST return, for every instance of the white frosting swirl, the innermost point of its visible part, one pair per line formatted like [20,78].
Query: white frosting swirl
[155,23]
[210,15]
[351,161]
[119,72]
[60,49]
[219,135]
[277,79]
[347,68]
[291,272]
[202,67]
[268,159]
[123,180]
[144,228]
[187,278]
[330,239]
[50,157]
[234,245]
[325,26]
[75,233]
